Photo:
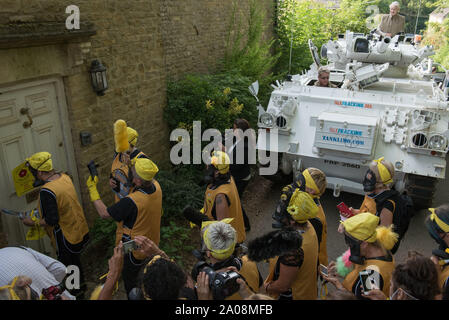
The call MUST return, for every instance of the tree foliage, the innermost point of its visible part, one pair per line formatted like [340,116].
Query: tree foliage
[301,20]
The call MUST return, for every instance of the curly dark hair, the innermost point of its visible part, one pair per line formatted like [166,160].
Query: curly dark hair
[418,276]
[163,280]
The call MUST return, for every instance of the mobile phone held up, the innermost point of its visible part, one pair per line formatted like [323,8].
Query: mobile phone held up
[345,212]
[367,282]
[129,246]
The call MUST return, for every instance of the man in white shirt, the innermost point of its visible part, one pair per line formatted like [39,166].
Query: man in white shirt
[44,271]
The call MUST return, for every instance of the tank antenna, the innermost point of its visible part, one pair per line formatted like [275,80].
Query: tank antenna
[417,17]
[291,48]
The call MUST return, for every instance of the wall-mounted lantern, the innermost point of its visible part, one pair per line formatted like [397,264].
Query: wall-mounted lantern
[98,77]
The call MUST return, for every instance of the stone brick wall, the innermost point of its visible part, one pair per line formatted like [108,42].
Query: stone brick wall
[142,43]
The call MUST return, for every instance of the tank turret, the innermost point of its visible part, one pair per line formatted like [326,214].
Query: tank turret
[354,51]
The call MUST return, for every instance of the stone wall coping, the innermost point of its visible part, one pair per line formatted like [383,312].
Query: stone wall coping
[27,34]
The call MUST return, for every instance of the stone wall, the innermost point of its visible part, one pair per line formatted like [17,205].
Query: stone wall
[142,43]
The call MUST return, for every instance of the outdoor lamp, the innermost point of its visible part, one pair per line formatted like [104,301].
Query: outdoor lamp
[98,77]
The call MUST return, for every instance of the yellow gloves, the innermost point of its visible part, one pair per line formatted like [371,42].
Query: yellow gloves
[92,185]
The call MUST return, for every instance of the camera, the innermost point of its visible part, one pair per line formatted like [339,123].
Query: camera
[279,216]
[53,292]
[222,284]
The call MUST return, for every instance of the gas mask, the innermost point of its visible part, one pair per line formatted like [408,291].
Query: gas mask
[432,229]
[354,246]
[369,183]
[209,175]
[37,182]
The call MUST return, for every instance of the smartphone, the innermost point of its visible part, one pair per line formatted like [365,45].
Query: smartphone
[367,282]
[129,246]
[343,208]
[323,269]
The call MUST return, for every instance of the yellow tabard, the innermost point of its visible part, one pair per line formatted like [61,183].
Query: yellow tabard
[235,208]
[368,205]
[304,286]
[322,256]
[118,165]
[251,274]
[443,276]
[148,221]
[384,268]
[71,216]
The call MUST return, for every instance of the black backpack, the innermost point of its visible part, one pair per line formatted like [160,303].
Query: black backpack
[403,210]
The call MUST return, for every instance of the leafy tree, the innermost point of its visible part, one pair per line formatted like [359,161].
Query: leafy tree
[301,20]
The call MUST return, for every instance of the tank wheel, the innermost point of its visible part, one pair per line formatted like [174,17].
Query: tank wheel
[421,189]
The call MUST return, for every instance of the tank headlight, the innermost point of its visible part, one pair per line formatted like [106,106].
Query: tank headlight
[281,122]
[267,120]
[437,142]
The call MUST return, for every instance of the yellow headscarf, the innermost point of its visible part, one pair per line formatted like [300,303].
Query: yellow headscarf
[41,161]
[385,175]
[443,225]
[146,169]
[10,288]
[310,183]
[302,207]
[221,161]
[220,254]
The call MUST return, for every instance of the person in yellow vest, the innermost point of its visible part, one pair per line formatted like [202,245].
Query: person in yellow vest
[415,279]
[437,225]
[221,199]
[369,246]
[120,179]
[219,241]
[293,276]
[140,213]
[312,181]
[380,199]
[60,213]
[316,186]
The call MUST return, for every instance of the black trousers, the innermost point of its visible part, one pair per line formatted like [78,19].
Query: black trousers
[241,186]
[131,271]
[69,254]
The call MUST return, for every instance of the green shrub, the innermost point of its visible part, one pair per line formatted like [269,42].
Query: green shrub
[215,100]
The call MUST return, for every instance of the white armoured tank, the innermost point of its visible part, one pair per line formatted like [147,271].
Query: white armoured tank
[387,102]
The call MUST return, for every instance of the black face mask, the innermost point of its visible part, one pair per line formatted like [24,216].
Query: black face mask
[434,234]
[369,184]
[354,246]
[37,182]
[209,176]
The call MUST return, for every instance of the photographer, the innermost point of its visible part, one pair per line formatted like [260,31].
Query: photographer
[369,246]
[220,240]
[160,279]
[42,270]
[293,274]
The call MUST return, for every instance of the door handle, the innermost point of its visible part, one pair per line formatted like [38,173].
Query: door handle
[25,111]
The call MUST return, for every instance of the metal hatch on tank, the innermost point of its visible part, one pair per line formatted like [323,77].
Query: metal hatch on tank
[385,100]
